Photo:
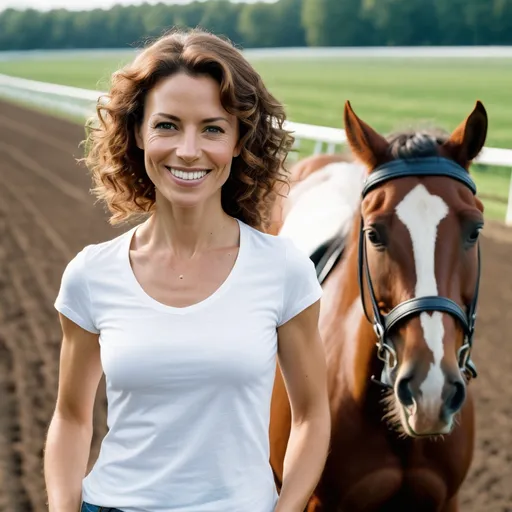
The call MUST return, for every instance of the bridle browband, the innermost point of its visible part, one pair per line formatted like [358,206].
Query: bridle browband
[384,323]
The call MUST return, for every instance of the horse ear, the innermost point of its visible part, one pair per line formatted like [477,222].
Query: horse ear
[366,144]
[467,140]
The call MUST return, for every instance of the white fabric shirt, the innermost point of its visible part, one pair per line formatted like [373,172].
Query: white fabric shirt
[188,389]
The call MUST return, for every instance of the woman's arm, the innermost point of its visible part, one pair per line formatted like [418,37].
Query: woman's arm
[302,362]
[70,432]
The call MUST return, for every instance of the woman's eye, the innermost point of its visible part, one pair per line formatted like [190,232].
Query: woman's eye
[165,125]
[214,129]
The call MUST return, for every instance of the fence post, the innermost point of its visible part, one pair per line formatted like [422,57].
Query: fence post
[508,216]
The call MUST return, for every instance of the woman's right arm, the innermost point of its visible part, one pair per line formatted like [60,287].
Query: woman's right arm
[70,432]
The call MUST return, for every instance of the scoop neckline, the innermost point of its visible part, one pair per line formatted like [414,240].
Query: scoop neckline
[221,290]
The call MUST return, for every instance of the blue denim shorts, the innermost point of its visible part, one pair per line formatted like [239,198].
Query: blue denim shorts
[87,507]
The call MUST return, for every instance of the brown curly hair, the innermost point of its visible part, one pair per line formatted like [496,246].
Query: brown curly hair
[117,164]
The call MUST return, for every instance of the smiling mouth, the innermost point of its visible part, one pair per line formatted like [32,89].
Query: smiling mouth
[188,175]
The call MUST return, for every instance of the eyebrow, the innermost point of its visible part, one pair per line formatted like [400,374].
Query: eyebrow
[176,118]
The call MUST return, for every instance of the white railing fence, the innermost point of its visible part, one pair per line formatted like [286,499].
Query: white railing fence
[81,102]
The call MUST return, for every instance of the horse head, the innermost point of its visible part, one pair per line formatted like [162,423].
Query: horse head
[419,264]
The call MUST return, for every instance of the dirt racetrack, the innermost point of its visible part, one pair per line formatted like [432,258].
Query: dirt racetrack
[47,216]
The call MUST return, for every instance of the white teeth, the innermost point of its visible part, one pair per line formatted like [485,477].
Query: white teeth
[188,175]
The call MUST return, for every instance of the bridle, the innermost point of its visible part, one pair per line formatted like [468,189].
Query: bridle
[383,324]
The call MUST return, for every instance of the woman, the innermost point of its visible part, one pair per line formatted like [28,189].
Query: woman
[186,312]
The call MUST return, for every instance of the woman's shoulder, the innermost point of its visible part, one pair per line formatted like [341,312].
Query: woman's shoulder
[266,241]
[96,256]
[292,268]
[92,264]
[279,249]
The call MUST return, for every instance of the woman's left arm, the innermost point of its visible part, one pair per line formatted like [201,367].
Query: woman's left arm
[302,362]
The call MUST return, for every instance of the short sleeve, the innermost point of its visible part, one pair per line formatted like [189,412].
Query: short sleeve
[73,299]
[301,286]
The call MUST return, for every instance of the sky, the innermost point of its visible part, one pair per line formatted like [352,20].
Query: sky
[79,5]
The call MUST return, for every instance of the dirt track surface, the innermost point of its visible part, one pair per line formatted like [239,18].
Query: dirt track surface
[47,216]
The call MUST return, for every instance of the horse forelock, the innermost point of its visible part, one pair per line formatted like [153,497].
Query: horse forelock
[416,143]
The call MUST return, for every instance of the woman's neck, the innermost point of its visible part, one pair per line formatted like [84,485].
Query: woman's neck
[186,232]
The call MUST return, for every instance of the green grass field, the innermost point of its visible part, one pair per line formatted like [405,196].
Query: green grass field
[389,93]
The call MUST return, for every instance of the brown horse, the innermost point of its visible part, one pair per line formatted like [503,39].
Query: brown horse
[397,316]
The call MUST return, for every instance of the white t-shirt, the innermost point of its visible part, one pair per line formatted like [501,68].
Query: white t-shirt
[188,389]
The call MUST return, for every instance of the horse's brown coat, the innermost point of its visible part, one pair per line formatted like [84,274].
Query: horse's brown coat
[370,467]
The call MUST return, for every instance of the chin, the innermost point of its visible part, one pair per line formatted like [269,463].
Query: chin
[181,199]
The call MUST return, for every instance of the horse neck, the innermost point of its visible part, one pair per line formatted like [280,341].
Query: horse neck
[349,337]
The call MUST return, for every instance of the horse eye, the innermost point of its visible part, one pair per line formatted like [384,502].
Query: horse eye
[474,234]
[375,237]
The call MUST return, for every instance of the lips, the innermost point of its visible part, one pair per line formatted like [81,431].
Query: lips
[194,174]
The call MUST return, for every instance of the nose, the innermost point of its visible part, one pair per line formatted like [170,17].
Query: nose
[188,147]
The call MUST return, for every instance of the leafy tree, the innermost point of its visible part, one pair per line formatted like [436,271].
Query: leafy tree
[221,18]
[258,25]
[451,24]
[502,13]
[335,23]
[290,29]
[282,23]
[403,22]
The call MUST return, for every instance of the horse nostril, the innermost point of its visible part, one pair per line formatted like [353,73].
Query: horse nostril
[456,396]
[404,392]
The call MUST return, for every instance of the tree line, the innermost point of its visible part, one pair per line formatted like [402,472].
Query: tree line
[284,23]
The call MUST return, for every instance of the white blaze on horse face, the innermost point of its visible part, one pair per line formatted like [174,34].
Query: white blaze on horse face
[421,212]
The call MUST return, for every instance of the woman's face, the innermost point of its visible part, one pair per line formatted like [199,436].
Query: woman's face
[188,139]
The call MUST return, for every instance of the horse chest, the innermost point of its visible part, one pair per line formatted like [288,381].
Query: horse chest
[371,473]
[393,489]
